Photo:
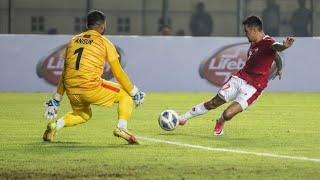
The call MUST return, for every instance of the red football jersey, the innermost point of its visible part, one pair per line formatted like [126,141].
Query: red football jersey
[257,67]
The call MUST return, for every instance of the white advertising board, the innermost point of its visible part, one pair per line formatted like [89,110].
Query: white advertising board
[32,63]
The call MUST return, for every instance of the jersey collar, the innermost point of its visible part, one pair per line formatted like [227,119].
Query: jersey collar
[94,32]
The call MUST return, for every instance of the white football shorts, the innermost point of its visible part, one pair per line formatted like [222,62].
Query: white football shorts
[237,89]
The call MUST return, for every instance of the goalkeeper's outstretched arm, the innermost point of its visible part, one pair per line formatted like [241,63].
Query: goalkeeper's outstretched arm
[123,79]
[121,76]
[60,89]
[52,105]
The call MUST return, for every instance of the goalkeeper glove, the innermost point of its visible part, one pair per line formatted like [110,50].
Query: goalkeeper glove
[137,96]
[51,107]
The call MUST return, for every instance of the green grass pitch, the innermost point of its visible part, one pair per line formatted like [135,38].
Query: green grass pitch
[279,123]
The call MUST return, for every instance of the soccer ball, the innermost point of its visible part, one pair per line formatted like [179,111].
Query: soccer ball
[168,120]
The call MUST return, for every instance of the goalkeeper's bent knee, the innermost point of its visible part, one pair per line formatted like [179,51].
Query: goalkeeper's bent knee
[75,118]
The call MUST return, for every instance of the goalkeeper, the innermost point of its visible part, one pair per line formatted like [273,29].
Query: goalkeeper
[85,56]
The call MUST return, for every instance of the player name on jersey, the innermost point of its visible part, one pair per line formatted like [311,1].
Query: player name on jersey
[83,41]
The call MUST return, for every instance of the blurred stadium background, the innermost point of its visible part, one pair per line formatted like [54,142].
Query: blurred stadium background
[144,17]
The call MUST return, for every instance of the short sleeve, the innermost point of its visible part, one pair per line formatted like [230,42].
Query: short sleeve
[267,43]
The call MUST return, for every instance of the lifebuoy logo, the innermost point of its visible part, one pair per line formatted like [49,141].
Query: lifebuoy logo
[226,61]
[50,67]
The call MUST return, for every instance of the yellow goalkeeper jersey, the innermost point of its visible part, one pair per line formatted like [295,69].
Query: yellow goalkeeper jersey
[85,57]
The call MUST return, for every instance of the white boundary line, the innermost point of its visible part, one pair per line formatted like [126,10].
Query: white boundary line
[230,150]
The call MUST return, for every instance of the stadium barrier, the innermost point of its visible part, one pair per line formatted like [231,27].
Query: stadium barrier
[33,63]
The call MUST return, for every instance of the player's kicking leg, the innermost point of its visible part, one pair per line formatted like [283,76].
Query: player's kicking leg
[228,92]
[201,108]
[225,94]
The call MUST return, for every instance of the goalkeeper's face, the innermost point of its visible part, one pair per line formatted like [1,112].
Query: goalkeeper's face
[100,27]
[103,27]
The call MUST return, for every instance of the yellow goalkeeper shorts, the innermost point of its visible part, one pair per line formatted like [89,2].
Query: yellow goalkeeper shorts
[104,96]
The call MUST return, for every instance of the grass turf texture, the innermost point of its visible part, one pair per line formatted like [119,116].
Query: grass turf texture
[279,123]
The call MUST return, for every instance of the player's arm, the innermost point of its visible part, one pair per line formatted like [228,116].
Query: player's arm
[61,88]
[122,77]
[284,45]
[278,62]
[52,105]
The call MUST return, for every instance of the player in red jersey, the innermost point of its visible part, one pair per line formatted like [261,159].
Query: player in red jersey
[244,87]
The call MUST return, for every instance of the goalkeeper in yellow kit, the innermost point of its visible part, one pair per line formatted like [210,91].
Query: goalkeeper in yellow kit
[85,56]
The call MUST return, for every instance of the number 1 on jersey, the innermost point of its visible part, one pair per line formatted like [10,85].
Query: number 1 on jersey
[79,52]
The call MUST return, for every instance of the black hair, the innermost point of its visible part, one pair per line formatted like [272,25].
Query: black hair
[95,17]
[253,21]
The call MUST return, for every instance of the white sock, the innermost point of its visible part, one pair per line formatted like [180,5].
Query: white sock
[60,124]
[195,111]
[122,123]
